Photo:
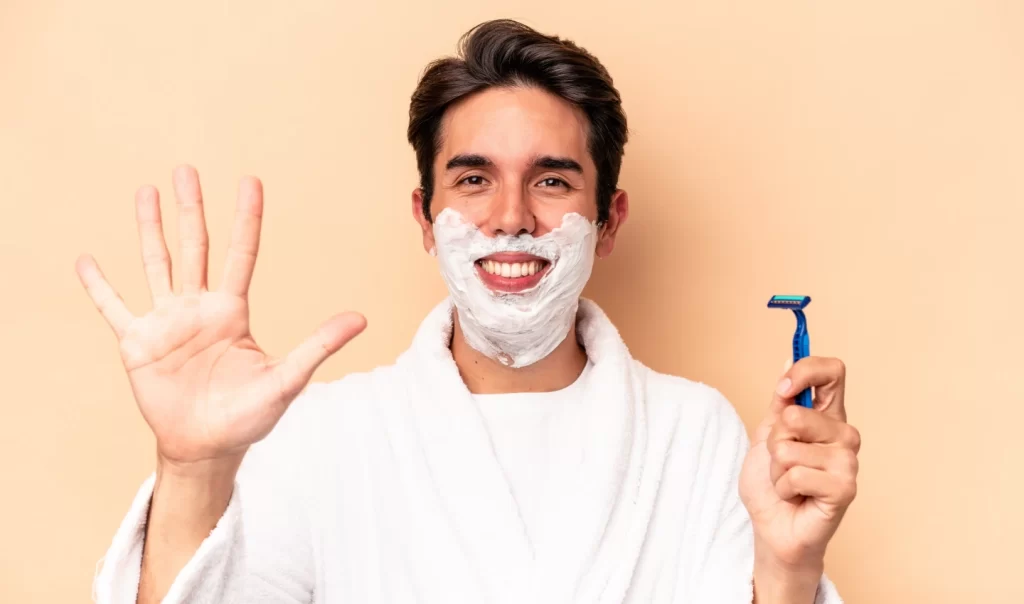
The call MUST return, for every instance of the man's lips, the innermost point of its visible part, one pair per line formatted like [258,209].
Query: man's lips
[512,272]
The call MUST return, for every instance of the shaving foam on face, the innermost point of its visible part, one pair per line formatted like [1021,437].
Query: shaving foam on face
[520,328]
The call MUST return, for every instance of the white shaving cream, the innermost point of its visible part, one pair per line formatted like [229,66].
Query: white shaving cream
[516,329]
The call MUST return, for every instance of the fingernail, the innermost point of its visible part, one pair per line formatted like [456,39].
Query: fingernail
[783,387]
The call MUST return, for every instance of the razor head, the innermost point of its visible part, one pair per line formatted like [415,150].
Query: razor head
[790,302]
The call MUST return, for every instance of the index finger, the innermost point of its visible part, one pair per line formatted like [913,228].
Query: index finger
[828,378]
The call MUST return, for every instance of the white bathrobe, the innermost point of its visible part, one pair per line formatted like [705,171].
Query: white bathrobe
[384,487]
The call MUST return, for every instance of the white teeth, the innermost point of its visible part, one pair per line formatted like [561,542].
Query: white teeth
[511,271]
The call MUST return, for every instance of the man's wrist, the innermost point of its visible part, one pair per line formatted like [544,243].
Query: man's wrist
[779,582]
[192,497]
[198,473]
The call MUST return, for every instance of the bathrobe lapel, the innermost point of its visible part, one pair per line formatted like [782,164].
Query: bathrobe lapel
[475,496]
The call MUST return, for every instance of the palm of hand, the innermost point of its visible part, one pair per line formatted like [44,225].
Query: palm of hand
[201,381]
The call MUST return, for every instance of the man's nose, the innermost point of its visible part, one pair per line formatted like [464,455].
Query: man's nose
[511,213]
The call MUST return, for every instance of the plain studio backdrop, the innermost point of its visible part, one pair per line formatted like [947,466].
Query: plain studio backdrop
[869,154]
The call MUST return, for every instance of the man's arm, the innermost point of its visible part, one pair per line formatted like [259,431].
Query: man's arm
[187,504]
[202,383]
[224,535]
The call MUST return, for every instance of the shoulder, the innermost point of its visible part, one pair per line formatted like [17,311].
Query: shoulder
[698,407]
[347,397]
[321,442]
[326,410]
[690,397]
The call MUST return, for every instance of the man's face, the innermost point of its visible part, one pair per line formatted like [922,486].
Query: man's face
[514,161]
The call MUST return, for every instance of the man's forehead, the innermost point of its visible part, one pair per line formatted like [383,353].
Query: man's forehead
[513,126]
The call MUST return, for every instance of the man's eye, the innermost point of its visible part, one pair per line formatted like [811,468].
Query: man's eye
[475,180]
[554,182]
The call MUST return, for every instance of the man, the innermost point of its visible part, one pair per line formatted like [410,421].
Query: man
[516,452]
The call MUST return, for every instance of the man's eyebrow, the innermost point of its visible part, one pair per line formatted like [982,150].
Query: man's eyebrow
[558,163]
[468,160]
[548,162]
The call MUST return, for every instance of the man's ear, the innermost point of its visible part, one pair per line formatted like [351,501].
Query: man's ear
[421,219]
[618,212]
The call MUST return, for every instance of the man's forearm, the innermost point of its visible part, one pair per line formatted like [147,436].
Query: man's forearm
[186,505]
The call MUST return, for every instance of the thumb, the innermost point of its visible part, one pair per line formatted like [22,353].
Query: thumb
[775,408]
[779,403]
[296,369]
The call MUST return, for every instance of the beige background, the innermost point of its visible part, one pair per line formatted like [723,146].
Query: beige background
[870,154]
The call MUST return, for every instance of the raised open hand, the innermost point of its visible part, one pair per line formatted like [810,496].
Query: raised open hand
[203,385]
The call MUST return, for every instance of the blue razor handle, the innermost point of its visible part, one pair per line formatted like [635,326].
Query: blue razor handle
[801,339]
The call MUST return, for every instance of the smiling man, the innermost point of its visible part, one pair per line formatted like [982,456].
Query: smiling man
[516,452]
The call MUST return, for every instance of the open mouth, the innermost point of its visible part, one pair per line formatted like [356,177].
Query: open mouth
[512,272]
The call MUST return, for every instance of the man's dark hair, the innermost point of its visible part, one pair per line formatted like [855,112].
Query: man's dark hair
[506,53]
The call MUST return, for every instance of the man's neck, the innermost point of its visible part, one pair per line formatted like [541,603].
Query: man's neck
[484,375]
